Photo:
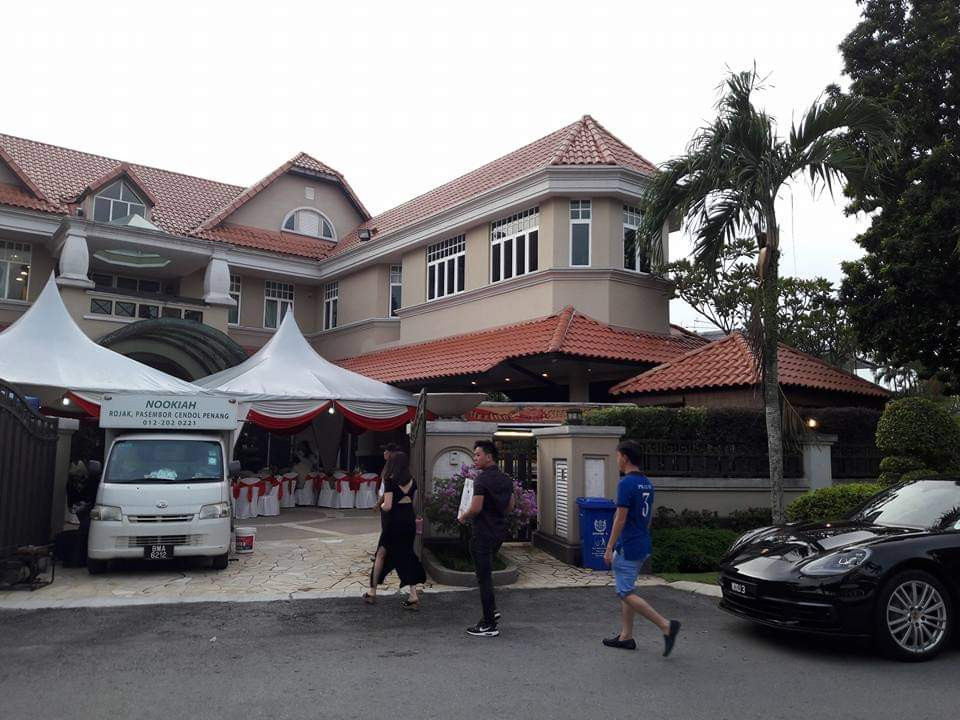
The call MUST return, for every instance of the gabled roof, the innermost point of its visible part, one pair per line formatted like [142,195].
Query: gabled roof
[11,163]
[17,197]
[121,170]
[730,363]
[585,142]
[302,162]
[269,240]
[568,333]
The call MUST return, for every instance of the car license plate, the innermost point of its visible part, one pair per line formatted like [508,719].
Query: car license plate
[158,552]
[744,589]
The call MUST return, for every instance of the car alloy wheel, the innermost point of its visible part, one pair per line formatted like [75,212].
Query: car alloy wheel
[915,614]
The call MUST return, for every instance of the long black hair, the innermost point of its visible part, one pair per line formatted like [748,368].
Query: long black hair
[398,468]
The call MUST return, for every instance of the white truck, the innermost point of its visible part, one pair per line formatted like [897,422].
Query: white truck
[165,486]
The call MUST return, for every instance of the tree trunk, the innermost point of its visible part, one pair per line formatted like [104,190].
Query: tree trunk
[771,374]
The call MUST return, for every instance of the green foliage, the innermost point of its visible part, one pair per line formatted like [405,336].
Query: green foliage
[831,503]
[453,556]
[713,426]
[814,321]
[921,474]
[920,428]
[900,464]
[689,549]
[888,478]
[902,295]
[739,520]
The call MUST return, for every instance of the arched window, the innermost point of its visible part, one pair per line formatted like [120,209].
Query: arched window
[308,221]
[116,202]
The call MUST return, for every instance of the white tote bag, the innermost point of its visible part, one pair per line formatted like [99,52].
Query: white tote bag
[466,497]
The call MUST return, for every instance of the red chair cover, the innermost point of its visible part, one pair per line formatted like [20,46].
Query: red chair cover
[354,481]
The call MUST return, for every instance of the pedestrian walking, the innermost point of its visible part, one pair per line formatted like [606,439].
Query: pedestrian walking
[629,546]
[399,531]
[492,502]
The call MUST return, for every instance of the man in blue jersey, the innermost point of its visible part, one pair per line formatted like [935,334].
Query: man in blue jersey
[630,546]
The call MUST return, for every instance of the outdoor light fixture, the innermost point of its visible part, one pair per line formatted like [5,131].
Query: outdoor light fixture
[812,423]
[331,410]
[473,382]
[544,374]
[65,401]
[364,234]
[574,416]
[513,433]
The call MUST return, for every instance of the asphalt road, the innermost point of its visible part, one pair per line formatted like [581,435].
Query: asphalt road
[341,659]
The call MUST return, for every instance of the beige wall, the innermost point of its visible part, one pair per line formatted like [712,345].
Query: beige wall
[306,298]
[364,295]
[191,286]
[358,339]
[478,257]
[270,206]
[251,304]
[251,301]
[414,277]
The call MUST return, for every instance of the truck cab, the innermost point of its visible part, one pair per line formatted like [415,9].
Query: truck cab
[162,495]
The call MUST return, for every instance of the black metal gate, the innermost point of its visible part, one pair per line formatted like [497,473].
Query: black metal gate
[28,452]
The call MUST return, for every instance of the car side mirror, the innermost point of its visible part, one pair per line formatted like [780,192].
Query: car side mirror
[234,468]
[94,468]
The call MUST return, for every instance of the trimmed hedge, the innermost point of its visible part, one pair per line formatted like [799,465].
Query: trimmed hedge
[831,503]
[739,520]
[689,549]
[920,428]
[851,425]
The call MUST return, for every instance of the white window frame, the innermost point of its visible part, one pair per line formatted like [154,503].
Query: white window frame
[331,302]
[512,228]
[447,254]
[281,293]
[581,213]
[632,217]
[124,185]
[395,280]
[10,267]
[323,219]
[236,288]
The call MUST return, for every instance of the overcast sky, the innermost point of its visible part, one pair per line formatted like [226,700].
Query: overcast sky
[402,96]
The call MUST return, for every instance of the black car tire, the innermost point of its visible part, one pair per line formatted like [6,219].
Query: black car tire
[220,561]
[902,586]
[97,567]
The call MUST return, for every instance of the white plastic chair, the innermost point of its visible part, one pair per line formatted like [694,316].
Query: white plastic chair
[289,484]
[367,494]
[247,500]
[347,496]
[306,492]
[269,501]
[328,497]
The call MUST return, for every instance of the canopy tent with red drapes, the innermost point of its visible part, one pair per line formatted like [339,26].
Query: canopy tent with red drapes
[286,384]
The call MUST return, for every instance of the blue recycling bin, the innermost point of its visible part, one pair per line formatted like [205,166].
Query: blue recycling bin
[596,521]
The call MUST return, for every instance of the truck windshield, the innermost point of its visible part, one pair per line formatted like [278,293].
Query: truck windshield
[165,461]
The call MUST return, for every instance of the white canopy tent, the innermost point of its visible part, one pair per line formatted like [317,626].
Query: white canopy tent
[46,351]
[287,384]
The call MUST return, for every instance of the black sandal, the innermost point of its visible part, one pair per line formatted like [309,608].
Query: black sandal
[368,598]
[407,605]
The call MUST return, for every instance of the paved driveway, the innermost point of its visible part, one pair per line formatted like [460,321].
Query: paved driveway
[341,659]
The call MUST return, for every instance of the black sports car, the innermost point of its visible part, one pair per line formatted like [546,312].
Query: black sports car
[890,571]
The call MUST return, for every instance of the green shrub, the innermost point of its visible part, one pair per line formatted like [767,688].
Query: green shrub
[689,549]
[919,427]
[831,503]
[725,426]
[888,478]
[749,519]
[921,474]
[651,423]
[851,425]
[900,464]
[739,520]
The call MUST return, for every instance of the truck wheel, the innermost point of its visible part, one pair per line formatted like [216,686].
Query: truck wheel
[220,561]
[914,616]
[97,567]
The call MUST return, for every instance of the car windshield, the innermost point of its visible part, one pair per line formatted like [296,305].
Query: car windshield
[926,504]
[165,461]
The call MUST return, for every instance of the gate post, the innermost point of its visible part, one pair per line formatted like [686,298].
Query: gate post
[572,461]
[818,460]
[65,430]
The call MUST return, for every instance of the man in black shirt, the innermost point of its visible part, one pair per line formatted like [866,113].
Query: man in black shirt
[492,502]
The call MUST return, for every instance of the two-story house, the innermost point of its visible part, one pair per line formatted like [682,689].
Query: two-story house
[522,277]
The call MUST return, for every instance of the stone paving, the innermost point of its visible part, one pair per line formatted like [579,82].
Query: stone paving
[308,556]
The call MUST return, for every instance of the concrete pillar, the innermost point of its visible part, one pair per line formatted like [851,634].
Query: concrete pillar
[67,427]
[572,461]
[817,460]
[448,445]
[216,283]
[74,259]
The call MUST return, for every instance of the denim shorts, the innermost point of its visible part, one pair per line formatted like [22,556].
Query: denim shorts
[625,572]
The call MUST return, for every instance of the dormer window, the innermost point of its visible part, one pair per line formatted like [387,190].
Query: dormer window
[308,221]
[117,202]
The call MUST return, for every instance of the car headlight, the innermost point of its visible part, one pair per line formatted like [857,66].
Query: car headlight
[837,563]
[747,537]
[106,512]
[217,510]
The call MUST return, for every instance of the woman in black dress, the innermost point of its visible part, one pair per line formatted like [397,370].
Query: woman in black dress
[399,522]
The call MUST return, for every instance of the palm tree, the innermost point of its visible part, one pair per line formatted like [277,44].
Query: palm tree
[726,185]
